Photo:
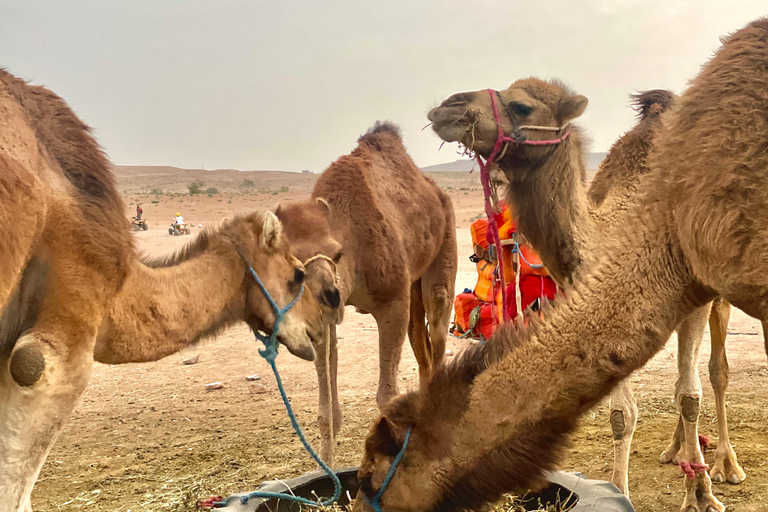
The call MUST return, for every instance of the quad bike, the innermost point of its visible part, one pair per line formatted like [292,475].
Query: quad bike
[178,229]
[139,224]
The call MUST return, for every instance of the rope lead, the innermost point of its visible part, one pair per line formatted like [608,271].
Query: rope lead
[269,353]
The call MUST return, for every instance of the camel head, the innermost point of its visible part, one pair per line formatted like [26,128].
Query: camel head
[307,226]
[524,108]
[261,240]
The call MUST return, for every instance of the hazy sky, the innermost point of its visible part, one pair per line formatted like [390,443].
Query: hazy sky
[290,85]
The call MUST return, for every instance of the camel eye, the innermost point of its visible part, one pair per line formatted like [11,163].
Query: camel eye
[520,109]
[298,277]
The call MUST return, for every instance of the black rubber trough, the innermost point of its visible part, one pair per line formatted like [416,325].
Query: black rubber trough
[573,491]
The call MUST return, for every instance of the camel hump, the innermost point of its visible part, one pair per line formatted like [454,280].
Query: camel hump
[652,102]
[378,129]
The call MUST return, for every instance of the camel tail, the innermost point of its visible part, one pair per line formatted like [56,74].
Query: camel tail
[652,102]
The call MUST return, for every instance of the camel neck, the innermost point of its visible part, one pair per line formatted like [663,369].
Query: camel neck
[541,380]
[550,201]
[160,311]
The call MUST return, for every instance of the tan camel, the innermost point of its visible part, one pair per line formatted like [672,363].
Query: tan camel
[613,191]
[397,258]
[64,264]
[498,417]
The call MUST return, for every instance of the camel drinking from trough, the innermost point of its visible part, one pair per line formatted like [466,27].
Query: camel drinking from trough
[391,232]
[500,415]
[71,290]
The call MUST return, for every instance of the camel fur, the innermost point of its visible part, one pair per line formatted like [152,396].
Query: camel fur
[391,231]
[72,287]
[499,416]
[612,193]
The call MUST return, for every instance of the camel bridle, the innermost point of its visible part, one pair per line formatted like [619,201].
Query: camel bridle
[323,257]
[516,136]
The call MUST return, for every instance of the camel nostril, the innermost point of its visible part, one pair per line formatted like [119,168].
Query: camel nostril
[331,298]
[456,100]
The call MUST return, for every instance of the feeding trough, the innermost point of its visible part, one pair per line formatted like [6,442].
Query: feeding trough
[572,491]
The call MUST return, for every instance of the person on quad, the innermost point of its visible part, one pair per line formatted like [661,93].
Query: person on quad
[139,211]
[179,220]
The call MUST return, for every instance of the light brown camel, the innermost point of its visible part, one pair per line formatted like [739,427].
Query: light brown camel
[64,263]
[499,416]
[391,230]
[612,193]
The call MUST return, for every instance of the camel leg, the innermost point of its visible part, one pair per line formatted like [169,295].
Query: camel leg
[726,467]
[333,366]
[699,497]
[623,421]
[673,451]
[325,392]
[418,335]
[437,286]
[765,336]
[40,384]
[392,321]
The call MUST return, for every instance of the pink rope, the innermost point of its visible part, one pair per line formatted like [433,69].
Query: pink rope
[485,179]
[691,469]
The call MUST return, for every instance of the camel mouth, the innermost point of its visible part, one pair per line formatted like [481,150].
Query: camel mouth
[302,350]
[451,123]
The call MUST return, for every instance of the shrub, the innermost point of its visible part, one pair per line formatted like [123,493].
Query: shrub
[196,187]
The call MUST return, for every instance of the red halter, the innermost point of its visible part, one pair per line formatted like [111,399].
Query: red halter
[505,139]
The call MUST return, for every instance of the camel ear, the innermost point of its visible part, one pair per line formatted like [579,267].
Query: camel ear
[572,108]
[279,210]
[325,207]
[271,231]
[385,440]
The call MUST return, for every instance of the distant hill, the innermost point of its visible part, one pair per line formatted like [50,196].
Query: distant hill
[464,164]
[144,179]
[595,159]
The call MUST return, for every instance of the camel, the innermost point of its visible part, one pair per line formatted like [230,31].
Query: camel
[72,291]
[613,190]
[391,232]
[500,415]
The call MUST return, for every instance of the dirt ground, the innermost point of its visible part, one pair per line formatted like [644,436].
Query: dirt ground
[149,437]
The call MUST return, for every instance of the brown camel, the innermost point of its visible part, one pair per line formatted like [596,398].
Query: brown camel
[64,263]
[497,418]
[612,193]
[391,231]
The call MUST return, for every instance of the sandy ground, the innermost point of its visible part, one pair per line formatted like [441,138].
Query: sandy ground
[149,437]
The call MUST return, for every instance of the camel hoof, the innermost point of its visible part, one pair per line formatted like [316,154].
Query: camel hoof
[671,455]
[727,469]
[706,502]
[666,457]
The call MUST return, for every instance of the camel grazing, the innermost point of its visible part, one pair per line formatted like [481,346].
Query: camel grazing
[500,415]
[67,254]
[613,191]
[391,231]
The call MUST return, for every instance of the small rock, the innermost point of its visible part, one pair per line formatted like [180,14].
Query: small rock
[257,389]
[449,352]
[253,377]
[214,385]
[192,360]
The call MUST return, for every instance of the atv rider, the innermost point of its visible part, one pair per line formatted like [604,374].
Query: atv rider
[179,220]
[139,211]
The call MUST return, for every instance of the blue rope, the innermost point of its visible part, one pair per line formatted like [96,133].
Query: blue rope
[517,249]
[374,502]
[269,352]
